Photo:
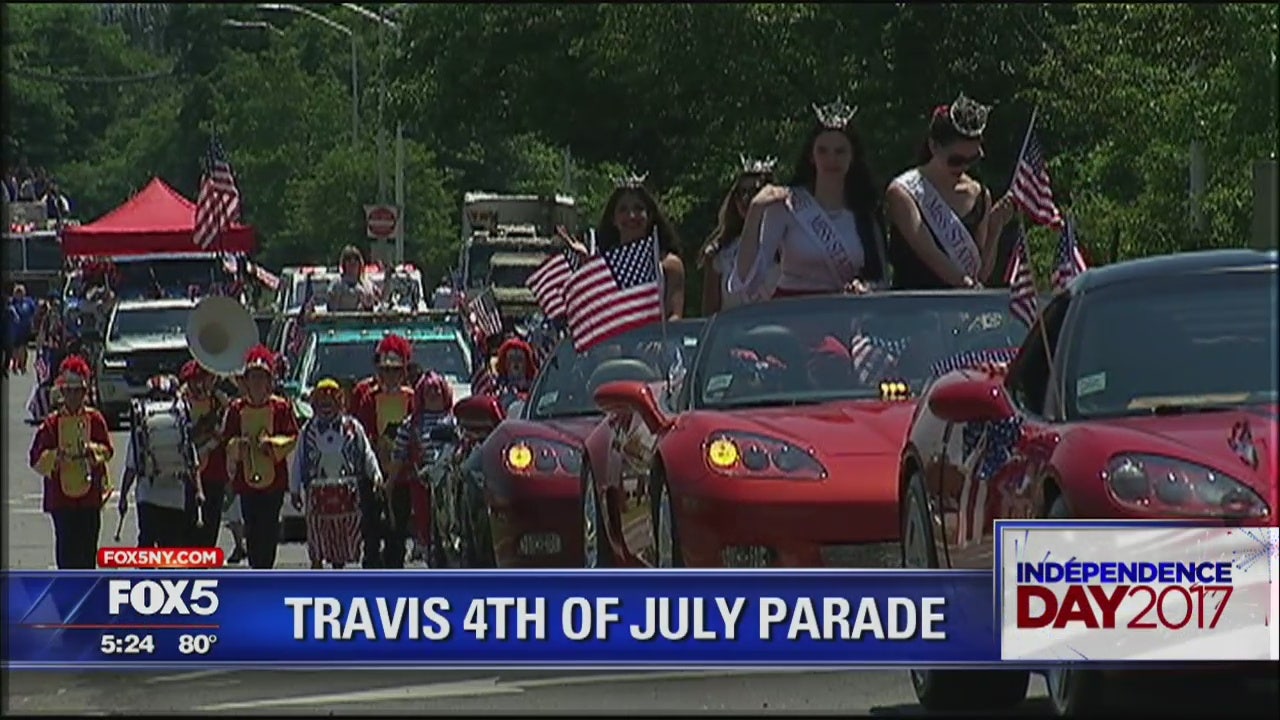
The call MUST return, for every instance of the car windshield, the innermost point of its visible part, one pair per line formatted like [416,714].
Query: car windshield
[320,285]
[1170,345]
[567,382]
[353,360]
[149,322]
[139,279]
[813,350]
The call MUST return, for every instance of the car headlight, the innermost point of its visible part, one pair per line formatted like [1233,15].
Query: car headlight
[545,457]
[740,454]
[1162,485]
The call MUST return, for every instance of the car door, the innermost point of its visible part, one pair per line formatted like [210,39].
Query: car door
[1003,459]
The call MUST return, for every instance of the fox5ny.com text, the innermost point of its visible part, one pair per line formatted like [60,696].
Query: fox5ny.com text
[1078,592]
[167,558]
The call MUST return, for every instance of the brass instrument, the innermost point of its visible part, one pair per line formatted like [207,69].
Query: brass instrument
[220,331]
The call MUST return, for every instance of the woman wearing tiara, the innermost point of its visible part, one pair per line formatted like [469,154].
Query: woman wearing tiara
[631,214]
[943,226]
[720,252]
[824,231]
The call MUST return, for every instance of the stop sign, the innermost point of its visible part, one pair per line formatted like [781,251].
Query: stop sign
[380,221]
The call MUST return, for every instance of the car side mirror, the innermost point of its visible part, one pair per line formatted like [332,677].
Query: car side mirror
[624,396]
[970,400]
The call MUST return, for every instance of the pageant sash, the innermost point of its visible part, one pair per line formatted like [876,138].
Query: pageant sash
[817,225]
[952,236]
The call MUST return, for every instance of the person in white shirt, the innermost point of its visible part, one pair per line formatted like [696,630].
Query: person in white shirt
[352,291]
[825,231]
[720,252]
[165,499]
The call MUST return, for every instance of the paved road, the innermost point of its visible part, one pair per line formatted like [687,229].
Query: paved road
[28,545]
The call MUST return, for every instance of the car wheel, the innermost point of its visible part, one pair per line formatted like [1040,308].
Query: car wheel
[950,691]
[1073,692]
[594,552]
[666,537]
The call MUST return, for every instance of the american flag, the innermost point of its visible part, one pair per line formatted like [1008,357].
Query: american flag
[549,280]
[1030,187]
[614,292]
[873,357]
[218,205]
[1022,284]
[482,317]
[1068,263]
[973,358]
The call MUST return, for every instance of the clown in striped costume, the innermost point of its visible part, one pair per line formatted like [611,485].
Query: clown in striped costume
[334,467]
[415,451]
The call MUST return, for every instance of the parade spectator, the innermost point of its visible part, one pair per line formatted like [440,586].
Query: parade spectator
[22,314]
[55,203]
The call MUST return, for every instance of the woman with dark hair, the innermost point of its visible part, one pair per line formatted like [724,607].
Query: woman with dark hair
[943,226]
[824,231]
[720,252]
[631,214]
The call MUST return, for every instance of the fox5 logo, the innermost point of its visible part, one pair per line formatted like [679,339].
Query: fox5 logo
[162,597]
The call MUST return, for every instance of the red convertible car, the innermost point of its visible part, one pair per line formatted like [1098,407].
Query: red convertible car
[516,495]
[780,446]
[1147,391]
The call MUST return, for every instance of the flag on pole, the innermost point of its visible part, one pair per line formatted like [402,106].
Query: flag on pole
[1023,302]
[482,317]
[218,205]
[549,280]
[1068,262]
[614,292]
[1031,188]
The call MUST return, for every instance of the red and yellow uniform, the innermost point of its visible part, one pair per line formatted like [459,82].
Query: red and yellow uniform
[70,450]
[381,409]
[258,437]
[359,392]
[208,407]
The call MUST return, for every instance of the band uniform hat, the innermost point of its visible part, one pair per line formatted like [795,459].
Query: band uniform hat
[73,373]
[191,371]
[327,386]
[393,352]
[259,358]
[162,385]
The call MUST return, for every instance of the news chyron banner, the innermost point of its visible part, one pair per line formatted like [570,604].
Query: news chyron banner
[1148,591]
[503,618]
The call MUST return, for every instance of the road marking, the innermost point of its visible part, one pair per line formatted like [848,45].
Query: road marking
[483,687]
[180,677]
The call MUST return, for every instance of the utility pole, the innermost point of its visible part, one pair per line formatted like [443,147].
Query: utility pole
[400,193]
[1196,171]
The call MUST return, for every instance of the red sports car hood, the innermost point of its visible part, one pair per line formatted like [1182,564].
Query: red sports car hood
[572,429]
[1210,438]
[845,427]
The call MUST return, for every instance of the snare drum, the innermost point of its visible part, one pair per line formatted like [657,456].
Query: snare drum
[333,520]
[164,431]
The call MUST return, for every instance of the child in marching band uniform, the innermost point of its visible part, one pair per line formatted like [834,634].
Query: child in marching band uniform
[207,406]
[333,445]
[70,451]
[259,432]
[433,404]
[381,409]
[517,370]
[166,503]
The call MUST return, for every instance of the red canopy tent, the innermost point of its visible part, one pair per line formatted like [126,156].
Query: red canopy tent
[156,220]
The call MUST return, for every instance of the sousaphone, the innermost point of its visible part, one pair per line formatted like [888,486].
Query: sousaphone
[220,331]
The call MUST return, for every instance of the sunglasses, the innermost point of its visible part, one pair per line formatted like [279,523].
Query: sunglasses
[963,160]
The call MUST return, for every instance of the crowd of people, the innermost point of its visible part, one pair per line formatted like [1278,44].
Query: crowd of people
[830,230]
[24,184]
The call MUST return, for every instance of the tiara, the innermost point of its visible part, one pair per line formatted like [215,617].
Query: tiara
[968,116]
[630,180]
[835,115]
[757,167]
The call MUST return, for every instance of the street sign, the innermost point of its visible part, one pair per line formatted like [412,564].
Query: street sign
[381,221]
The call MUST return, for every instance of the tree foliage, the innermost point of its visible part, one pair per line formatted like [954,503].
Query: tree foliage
[492,96]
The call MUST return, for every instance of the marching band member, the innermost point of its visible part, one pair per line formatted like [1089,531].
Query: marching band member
[51,346]
[70,450]
[387,404]
[259,432]
[207,406]
[516,370]
[943,226]
[630,214]
[433,405]
[165,499]
[824,231]
[333,449]
[233,518]
[720,252]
